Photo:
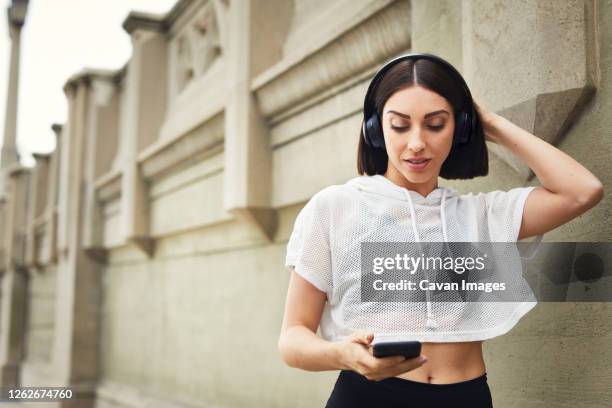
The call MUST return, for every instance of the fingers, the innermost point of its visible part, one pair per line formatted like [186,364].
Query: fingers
[362,337]
[374,368]
[393,366]
[402,364]
[378,363]
[408,365]
[412,363]
[386,362]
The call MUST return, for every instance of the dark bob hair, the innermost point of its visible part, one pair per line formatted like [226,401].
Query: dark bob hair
[464,161]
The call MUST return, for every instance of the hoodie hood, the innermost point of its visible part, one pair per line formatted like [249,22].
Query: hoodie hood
[379,184]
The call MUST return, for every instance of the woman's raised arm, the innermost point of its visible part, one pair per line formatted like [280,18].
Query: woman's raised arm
[568,188]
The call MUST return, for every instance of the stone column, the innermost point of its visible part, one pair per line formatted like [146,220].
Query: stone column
[248,152]
[49,252]
[14,281]
[145,109]
[75,346]
[101,142]
[37,196]
[16,18]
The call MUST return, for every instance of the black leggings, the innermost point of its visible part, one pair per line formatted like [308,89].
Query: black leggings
[353,390]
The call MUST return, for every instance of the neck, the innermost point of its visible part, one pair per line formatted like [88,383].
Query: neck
[422,188]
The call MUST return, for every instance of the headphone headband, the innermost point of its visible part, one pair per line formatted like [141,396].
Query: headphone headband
[371,122]
[369,105]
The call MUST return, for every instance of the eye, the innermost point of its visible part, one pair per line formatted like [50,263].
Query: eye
[403,128]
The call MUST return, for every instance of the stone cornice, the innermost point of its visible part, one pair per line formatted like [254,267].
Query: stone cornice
[86,75]
[120,74]
[41,156]
[16,13]
[155,22]
[57,128]
[144,21]
[108,186]
[177,11]
[299,77]
[16,169]
[206,139]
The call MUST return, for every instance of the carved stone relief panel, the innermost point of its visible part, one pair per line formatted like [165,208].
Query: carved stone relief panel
[200,43]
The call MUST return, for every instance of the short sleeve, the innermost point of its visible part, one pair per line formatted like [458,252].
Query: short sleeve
[308,249]
[505,214]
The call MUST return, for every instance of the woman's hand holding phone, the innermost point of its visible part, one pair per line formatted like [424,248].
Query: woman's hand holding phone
[357,355]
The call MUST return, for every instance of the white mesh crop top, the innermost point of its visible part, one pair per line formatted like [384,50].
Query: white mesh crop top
[325,248]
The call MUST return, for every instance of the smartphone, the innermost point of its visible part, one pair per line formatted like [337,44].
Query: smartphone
[408,349]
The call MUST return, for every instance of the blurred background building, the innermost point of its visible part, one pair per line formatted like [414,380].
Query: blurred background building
[141,262]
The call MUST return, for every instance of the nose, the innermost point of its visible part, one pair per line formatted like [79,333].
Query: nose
[415,140]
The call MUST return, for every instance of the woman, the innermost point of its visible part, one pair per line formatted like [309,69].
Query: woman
[420,123]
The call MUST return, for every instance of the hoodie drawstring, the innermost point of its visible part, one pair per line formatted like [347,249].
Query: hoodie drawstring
[431,321]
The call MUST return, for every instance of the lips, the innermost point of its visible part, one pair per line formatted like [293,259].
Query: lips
[417,161]
[417,164]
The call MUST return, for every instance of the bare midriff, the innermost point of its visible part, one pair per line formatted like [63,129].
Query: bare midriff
[449,363]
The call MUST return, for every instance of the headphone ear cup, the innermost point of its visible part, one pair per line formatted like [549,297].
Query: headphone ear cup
[373,132]
[469,128]
[364,132]
[463,129]
[475,124]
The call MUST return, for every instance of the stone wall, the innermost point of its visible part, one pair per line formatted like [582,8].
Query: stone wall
[148,270]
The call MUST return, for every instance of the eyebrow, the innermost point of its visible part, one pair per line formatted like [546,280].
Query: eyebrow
[427,115]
